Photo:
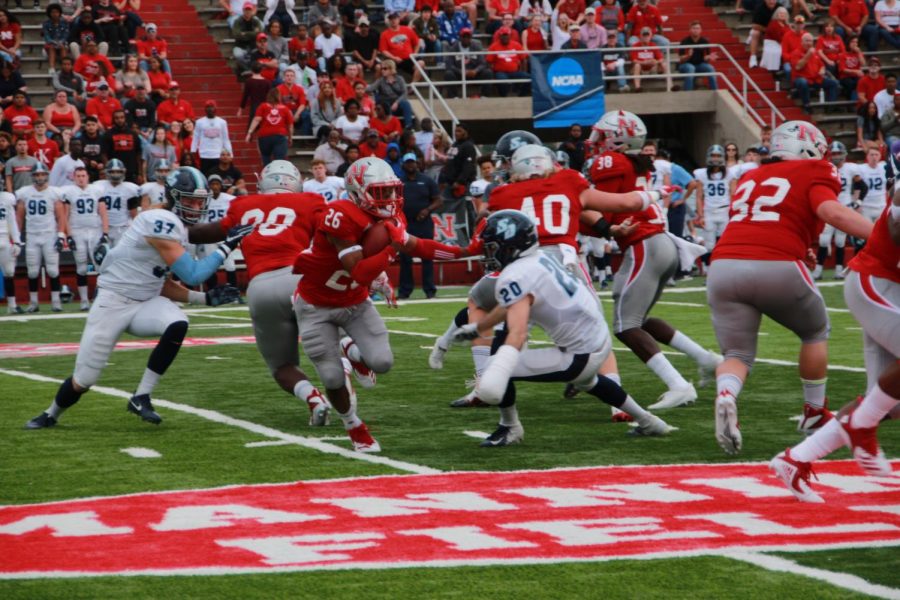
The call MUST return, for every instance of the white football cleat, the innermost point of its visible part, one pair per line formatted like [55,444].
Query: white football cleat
[85,306]
[707,370]
[728,434]
[652,426]
[817,272]
[795,476]
[677,397]
[364,375]
[436,358]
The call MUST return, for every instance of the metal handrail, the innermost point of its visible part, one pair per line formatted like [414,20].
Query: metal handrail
[747,84]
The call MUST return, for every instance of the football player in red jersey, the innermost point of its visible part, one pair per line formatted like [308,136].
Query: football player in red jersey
[285,219]
[651,259]
[872,292]
[333,293]
[757,268]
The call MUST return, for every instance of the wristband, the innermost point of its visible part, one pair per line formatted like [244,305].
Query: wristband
[196,298]
[601,228]
[895,212]
[648,198]
[348,250]
[61,235]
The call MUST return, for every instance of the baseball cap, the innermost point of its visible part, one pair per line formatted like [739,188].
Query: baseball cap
[874,62]
[261,36]
[394,15]
[372,133]
[412,156]
[212,178]
[362,21]
[173,85]
[763,150]
[466,31]
[799,19]
[645,30]
[150,27]
[210,102]
[504,31]
[574,27]
[102,86]
[590,11]
[249,5]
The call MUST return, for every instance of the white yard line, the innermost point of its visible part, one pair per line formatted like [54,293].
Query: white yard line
[217,417]
[478,435]
[141,452]
[841,580]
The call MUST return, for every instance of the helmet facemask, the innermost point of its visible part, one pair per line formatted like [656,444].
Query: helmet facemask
[383,200]
[190,208]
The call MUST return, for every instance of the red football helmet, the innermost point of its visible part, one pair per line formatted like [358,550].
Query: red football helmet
[372,185]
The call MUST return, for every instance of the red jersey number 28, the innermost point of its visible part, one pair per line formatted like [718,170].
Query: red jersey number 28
[278,219]
[745,203]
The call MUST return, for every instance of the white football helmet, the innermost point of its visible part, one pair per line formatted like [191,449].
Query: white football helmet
[372,185]
[280,177]
[618,130]
[798,140]
[531,160]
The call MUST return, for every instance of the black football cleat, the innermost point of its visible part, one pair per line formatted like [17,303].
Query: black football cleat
[570,392]
[504,436]
[42,421]
[142,407]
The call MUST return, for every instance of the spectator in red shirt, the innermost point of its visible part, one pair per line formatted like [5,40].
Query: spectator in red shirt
[93,67]
[153,46]
[343,84]
[574,9]
[301,42]
[174,108]
[534,38]
[159,80]
[850,17]
[387,125]
[495,11]
[103,105]
[260,54]
[41,147]
[292,95]
[808,72]
[373,146]
[791,42]
[774,35]
[871,84]
[397,43]
[645,15]
[20,116]
[505,59]
[829,47]
[851,65]
[648,59]
[276,128]
[10,36]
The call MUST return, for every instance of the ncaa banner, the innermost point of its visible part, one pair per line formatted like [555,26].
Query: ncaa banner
[567,88]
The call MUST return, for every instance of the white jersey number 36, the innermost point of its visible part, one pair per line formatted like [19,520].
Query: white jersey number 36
[554,222]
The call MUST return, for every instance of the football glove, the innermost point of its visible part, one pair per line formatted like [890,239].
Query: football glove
[16,249]
[223,294]
[382,285]
[396,231]
[70,242]
[236,234]
[60,242]
[100,253]
[104,239]
[465,334]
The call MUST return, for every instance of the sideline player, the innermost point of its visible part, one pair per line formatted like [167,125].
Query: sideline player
[713,197]
[153,193]
[42,217]
[121,198]
[872,292]
[327,186]
[534,287]
[757,269]
[285,221]
[651,259]
[219,202]
[10,248]
[88,227]
[853,188]
[874,173]
[333,293]
[136,295]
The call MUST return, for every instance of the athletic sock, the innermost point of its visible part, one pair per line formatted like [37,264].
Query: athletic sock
[33,298]
[231,278]
[54,299]
[444,339]
[353,352]
[730,384]
[823,442]
[839,257]
[350,419]
[303,389]
[481,355]
[148,382]
[660,365]
[66,396]
[9,288]
[698,353]
[814,392]
[509,415]
[83,293]
[821,255]
[873,408]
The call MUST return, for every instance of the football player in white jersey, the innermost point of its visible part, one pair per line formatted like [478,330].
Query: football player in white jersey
[88,227]
[535,288]
[153,193]
[42,217]
[121,198]
[852,189]
[10,248]
[874,174]
[219,202]
[135,294]
[329,187]
[713,196]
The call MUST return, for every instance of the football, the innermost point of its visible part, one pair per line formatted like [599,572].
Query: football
[375,239]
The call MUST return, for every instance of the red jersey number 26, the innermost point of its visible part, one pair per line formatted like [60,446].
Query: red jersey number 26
[747,203]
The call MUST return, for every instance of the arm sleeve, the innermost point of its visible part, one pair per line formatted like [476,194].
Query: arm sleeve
[195,272]
[366,270]
[432,250]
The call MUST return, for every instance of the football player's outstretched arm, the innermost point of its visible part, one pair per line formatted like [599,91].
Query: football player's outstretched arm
[894,219]
[844,219]
[419,247]
[609,202]
[206,233]
[195,272]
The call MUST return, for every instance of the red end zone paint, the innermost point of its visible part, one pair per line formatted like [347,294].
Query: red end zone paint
[61,349]
[458,518]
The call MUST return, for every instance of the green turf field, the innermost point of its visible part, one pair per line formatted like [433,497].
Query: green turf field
[408,413]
